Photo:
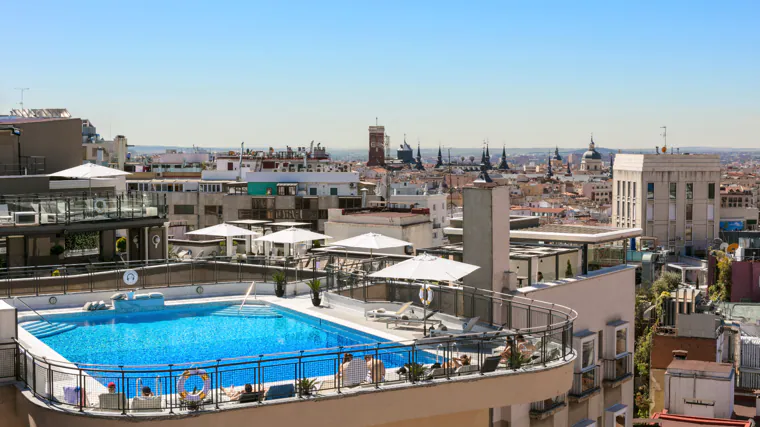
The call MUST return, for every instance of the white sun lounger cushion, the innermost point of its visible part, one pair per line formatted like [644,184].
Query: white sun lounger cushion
[118,296]
[156,295]
[87,306]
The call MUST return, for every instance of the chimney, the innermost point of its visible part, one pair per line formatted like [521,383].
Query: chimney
[364,197]
[680,354]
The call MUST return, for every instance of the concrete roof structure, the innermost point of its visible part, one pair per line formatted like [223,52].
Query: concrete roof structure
[575,233]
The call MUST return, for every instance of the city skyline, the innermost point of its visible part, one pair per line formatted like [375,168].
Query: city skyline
[519,75]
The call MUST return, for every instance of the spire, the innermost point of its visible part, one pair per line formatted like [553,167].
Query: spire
[591,145]
[569,172]
[439,163]
[419,165]
[483,177]
[549,172]
[503,161]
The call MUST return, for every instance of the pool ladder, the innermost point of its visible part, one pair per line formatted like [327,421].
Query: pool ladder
[250,288]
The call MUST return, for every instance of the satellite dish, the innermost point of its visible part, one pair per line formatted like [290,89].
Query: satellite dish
[732,248]
[723,246]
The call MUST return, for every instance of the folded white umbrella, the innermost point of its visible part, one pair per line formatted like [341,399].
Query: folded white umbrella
[427,267]
[224,230]
[292,235]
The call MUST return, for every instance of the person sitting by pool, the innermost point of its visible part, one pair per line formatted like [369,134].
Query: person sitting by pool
[235,395]
[144,393]
[347,358]
[525,347]
[375,369]
[112,387]
[458,362]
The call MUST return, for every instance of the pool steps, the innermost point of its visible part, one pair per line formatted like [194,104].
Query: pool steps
[248,311]
[42,329]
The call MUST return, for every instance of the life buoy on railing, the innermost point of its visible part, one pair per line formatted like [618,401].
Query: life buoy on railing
[100,205]
[201,395]
[426,294]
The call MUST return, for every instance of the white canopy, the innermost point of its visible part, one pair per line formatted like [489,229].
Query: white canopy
[224,230]
[292,235]
[427,267]
[371,241]
[89,170]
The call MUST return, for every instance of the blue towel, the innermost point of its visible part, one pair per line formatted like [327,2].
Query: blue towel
[280,391]
[71,394]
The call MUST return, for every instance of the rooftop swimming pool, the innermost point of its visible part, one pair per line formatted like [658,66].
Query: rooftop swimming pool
[190,333]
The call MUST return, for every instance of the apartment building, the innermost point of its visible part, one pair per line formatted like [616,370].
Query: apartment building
[671,197]
[597,191]
[525,261]
[738,208]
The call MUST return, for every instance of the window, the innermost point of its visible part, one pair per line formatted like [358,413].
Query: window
[184,210]
[711,190]
[689,211]
[688,234]
[629,188]
[650,190]
[673,190]
[600,336]
[333,191]
[229,166]
[689,191]
[634,189]
[672,212]
[313,191]
[621,341]
[587,354]
[618,188]
[213,209]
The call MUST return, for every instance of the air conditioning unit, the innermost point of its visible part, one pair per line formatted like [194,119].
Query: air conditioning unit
[25,218]
[48,218]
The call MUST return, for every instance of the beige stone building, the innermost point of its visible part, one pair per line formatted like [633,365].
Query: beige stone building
[672,197]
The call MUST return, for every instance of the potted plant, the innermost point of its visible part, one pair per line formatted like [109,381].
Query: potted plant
[315,286]
[415,371]
[56,250]
[306,386]
[121,245]
[279,283]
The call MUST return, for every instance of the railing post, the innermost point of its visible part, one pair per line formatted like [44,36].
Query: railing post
[50,382]
[34,376]
[82,392]
[123,391]
[376,366]
[171,385]
[218,382]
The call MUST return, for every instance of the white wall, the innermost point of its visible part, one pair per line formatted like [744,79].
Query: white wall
[677,389]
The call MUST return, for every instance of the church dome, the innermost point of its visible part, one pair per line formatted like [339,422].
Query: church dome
[592,154]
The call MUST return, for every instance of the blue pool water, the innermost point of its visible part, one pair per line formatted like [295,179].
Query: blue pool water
[195,334]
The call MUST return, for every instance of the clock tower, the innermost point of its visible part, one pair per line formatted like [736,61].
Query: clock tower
[376,146]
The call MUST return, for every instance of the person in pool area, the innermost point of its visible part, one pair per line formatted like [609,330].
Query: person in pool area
[347,358]
[525,347]
[458,362]
[112,387]
[235,395]
[144,393]
[375,369]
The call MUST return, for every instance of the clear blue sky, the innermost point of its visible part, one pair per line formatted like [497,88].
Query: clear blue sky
[531,73]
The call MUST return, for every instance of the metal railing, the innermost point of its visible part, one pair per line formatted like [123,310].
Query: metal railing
[618,368]
[107,276]
[547,405]
[586,382]
[200,385]
[30,165]
[73,208]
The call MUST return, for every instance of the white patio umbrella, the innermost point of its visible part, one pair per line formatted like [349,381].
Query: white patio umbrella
[371,241]
[88,171]
[292,235]
[225,230]
[427,267]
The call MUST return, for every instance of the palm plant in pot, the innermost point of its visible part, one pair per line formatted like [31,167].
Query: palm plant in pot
[315,286]
[279,283]
[306,386]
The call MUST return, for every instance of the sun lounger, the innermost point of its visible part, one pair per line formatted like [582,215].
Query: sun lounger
[466,328]
[145,403]
[384,314]
[111,401]
[415,321]
[280,392]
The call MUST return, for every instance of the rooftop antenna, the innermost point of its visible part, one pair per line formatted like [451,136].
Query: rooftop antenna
[376,121]
[664,136]
[22,89]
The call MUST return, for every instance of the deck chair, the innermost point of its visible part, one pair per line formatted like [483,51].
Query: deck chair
[146,404]
[466,328]
[381,313]
[111,401]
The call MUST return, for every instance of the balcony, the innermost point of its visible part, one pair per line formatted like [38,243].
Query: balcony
[25,211]
[617,370]
[545,408]
[586,383]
